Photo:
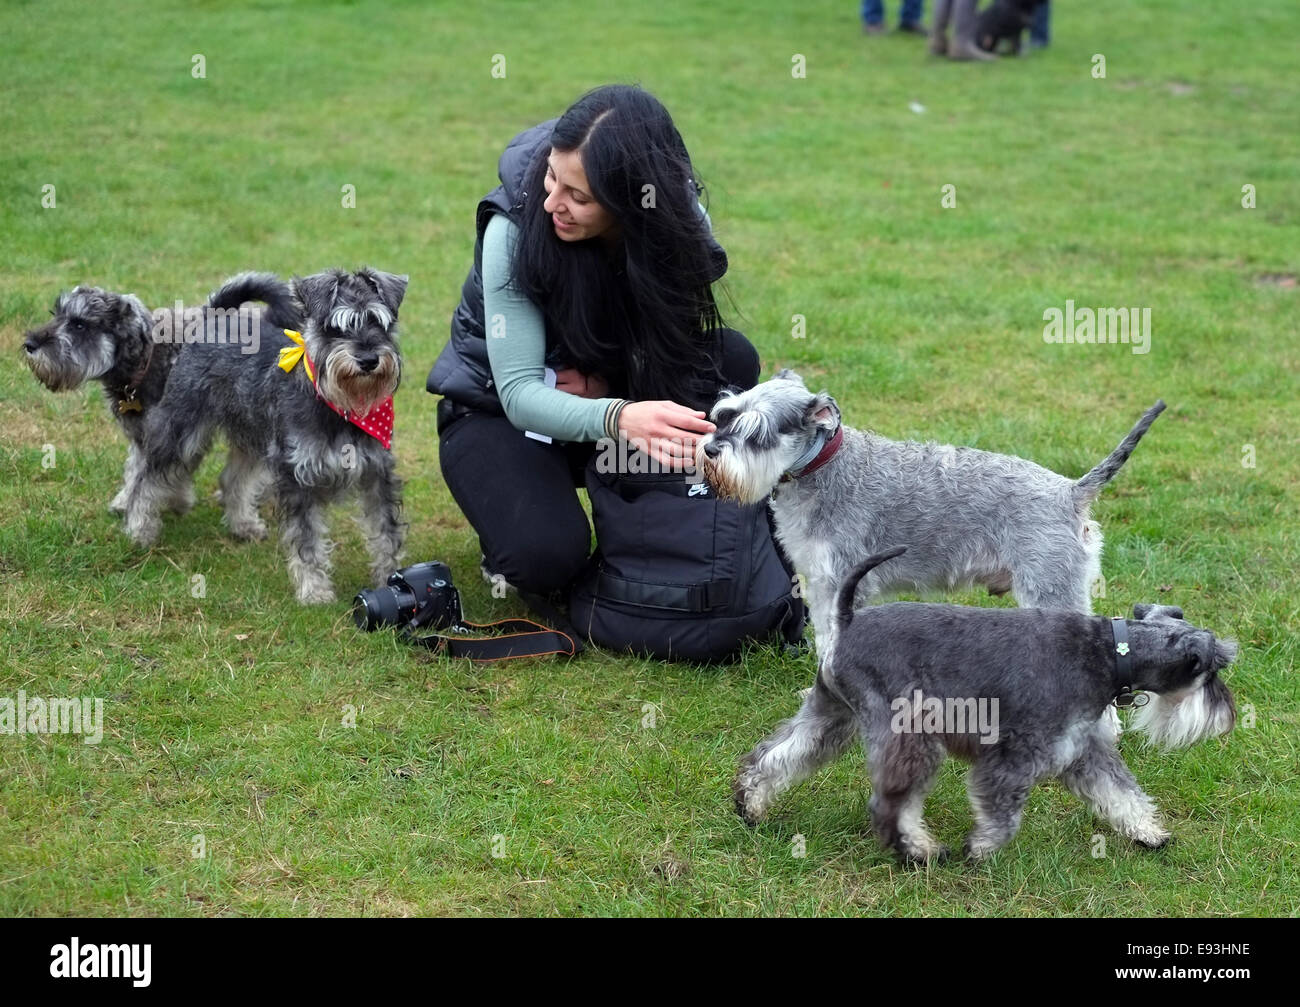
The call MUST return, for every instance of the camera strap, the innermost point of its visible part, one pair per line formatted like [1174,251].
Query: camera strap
[511,638]
[515,638]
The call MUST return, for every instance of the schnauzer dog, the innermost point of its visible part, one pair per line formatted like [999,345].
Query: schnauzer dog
[310,415]
[96,334]
[1017,692]
[1004,20]
[967,516]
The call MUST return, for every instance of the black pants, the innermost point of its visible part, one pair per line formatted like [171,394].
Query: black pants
[519,493]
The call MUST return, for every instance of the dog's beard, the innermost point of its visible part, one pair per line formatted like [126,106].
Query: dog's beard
[734,481]
[53,368]
[1203,713]
[350,388]
[51,374]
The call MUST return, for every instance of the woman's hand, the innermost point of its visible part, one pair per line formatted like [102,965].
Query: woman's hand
[665,431]
[587,386]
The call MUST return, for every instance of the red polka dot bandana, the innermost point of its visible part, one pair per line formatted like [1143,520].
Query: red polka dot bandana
[378,422]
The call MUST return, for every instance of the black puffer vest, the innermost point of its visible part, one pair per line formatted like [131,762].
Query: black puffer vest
[461,372]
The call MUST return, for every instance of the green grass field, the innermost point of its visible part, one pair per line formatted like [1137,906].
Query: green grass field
[533,788]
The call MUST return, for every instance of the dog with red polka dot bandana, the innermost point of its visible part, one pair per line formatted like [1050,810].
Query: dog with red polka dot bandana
[309,418]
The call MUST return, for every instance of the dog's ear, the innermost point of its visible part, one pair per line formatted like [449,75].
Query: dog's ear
[1141,611]
[316,293]
[822,412]
[785,374]
[128,308]
[1225,652]
[390,288]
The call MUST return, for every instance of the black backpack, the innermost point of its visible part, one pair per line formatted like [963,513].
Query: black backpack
[679,574]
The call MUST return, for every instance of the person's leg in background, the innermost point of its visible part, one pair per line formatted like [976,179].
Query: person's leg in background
[909,17]
[1040,29]
[873,16]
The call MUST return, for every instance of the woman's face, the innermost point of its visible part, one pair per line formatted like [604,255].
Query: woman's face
[575,214]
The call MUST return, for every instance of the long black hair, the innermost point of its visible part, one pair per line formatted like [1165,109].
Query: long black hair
[635,310]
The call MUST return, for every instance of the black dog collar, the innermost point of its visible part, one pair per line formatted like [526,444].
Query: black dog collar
[1124,666]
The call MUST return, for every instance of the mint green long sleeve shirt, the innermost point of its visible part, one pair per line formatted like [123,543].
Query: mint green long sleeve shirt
[516,348]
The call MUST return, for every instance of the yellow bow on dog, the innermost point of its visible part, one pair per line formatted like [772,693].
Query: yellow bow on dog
[290,355]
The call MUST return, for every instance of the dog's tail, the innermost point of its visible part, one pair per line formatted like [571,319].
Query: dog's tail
[1089,487]
[266,287]
[849,589]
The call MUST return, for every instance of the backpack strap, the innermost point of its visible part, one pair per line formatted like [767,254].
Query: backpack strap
[674,597]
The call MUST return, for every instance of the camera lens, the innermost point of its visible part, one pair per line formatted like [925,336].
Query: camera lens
[374,608]
[408,599]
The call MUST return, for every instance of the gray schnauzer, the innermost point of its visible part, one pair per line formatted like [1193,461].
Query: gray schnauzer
[309,419]
[918,681]
[967,516]
[96,334]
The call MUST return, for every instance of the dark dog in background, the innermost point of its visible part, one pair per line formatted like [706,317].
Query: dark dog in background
[98,335]
[1004,21]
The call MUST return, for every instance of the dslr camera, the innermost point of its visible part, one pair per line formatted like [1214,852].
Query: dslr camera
[415,597]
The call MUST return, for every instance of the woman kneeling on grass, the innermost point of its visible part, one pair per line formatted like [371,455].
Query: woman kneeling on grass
[592,272]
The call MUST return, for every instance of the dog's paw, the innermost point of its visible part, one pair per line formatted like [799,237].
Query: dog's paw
[118,504]
[1153,839]
[248,531]
[742,809]
[930,856]
[748,796]
[977,849]
[182,502]
[316,592]
[144,533]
